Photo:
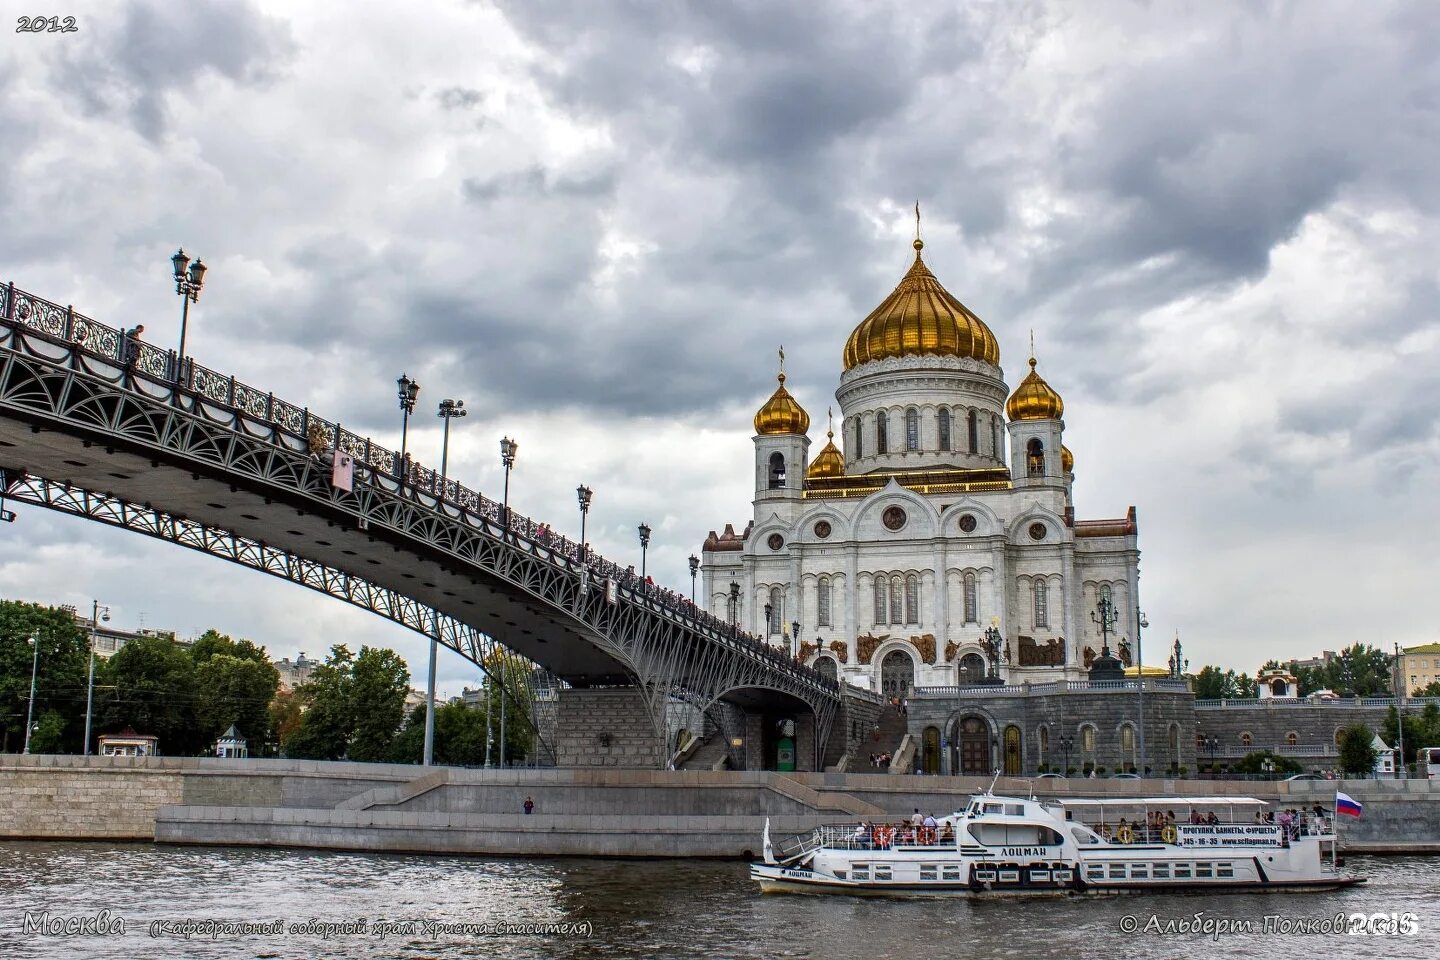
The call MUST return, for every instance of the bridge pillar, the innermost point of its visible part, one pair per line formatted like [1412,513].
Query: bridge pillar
[607,727]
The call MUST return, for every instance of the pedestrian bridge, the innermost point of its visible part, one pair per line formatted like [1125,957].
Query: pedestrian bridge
[118,431]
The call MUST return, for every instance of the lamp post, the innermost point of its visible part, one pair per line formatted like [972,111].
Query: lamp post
[1141,622]
[1104,617]
[1398,661]
[794,638]
[769,612]
[490,692]
[694,569]
[734,604]
[1066,742]
[448,410]
[187,285]
[992,640]
[508,449]
[1211,743]
[408,391]
[30,707]
[504,682]
[583,494]
[96,612]
[644,530]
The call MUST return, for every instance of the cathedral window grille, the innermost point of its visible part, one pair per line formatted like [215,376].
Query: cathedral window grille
[912,429]
[944,429]
[972,612]
[1127,743]
[777,610]
[912,599]
[882,440]
[1105,592]
[1035,458]
[897,610]
[880,600]
[777,470]
[1042,604]
[973,429]
[822,602]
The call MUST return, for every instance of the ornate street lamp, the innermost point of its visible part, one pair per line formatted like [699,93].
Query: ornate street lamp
[187,285]
[769,623]
[644,530]
[1066,742]
[408,392]
[1141,622]
[449,410]
[992,641]
[583,494]
[1212,743]
[734,603]
[694,569]
[30,708]
[96,612]
[794,638]
[1105,667]
[508,449]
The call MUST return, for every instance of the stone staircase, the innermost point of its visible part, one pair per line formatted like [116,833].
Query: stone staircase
[711,754]
[888,739]
[398,794]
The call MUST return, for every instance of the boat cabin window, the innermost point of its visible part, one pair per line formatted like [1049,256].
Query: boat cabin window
[1139,871]
[1160,871]
[1202,870]
[1117,871]
[950,871]
[1182,871]
[882,871]
[860,871]
[1224,870]
[927,871]
[1083,836]
[994,807]
[1015,809]
[1095,871]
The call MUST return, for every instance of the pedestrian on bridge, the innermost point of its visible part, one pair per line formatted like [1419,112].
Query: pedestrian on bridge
[132,343]
[529,805]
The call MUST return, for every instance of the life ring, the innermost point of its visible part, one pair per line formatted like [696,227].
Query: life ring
[883,836]
[1125,835]
[1169,833]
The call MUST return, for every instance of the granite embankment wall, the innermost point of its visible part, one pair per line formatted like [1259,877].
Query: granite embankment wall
[595,812]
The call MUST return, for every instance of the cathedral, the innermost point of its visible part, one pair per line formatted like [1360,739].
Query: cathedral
[936,543]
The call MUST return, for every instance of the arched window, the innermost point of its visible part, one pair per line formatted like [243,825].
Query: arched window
[912,599]
[1011,743]
[827,667]
[973,429]
[1127,741]
[1292,739]
[1246,739]
[777,470]
[1087,739]
[972,606]
[1042,740]
[1042,604]
[995,447]
[944,429]
[777,610]
[1035,458]
[912,429]
[859,447]
[822,602]
[880,600]
[1174,742]
[897,587]
[971,669]
[882,439]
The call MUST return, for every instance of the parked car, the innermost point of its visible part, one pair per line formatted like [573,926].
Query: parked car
[1125,776]
[1304,776]
[1051,776]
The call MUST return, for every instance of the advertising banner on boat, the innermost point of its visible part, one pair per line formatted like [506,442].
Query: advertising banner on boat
[1207,835]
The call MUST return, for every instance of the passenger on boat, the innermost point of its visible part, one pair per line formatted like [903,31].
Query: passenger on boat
[861,836]
[917,818]
[1212,819]
[947,834]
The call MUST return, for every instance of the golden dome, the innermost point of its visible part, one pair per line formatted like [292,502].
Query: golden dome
[920,317]
[781,414]
[1067,460]
[830,462]
[1034,399]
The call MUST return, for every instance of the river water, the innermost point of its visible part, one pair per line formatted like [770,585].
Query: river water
[620,908]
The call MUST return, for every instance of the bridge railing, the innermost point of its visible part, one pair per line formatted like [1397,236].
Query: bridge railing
[307,431]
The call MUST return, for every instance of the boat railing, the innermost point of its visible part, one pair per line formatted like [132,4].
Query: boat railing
[883,836]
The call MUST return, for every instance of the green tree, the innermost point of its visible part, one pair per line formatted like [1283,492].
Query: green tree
[49,735]
[459,736]
[1212,683]
[1422,729]
[149,685]
[1256,761]
[514,673]
[1246,687]
[60,676]
[380,681]
[1359,671]
[1431,689]
[329,710]
[236,690]
[285,711]
[213,643]
[1357,750]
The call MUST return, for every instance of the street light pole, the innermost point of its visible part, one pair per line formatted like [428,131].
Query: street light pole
[96,611]
[408,392]
[694,569]
[187,285]
[30,707]
[794,638]
[449,410]
[734,604]
[644,529]
[1141,622]
[1400,711]
[1065,744]
[430,697]
[583,494]
[505,681]
[508,449]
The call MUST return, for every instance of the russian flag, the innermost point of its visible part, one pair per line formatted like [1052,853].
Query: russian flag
[1348,805]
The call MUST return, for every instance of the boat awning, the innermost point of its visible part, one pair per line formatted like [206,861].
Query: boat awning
[1160,801]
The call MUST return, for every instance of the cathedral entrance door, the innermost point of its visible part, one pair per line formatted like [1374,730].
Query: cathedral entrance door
[974,748]
[897,674]
[972,669]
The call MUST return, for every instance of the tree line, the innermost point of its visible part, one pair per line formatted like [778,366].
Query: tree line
[1359,670]
[352,707]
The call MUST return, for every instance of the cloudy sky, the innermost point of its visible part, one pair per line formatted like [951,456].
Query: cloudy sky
[595,222]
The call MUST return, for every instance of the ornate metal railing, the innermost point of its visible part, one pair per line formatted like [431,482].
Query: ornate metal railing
[1335,702]
[298,428]
[1056,686]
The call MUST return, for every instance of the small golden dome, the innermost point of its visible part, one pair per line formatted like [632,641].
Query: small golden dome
[830,462]
[920,317]
[1067,459]
[781,414]
[1034,399]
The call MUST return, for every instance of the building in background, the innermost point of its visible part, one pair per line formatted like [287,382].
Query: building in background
[294,673]
[1419,667]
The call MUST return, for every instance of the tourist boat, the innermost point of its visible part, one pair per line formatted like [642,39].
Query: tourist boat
[1019,846]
